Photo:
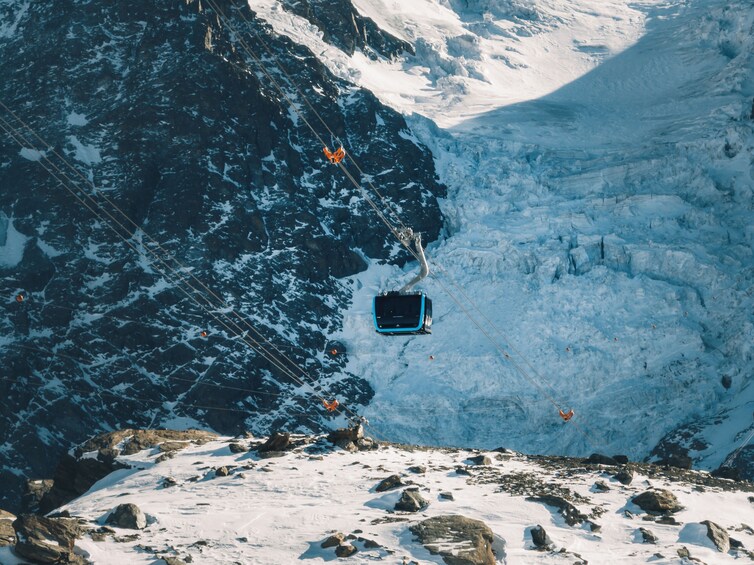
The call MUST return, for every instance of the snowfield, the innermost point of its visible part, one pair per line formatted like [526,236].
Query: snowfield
[599,220]
[279,510]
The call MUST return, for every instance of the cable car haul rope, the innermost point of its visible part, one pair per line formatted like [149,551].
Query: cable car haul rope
[401,312]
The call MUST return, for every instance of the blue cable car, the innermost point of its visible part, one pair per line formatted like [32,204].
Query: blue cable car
[402,314]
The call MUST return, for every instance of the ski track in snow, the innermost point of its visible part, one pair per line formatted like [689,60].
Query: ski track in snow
[599,213]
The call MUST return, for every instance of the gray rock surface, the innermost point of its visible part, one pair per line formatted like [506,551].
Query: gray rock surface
[127,516]
[457,539]
[47,540]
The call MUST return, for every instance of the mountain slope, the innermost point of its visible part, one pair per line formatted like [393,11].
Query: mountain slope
[598,159]
[160,109]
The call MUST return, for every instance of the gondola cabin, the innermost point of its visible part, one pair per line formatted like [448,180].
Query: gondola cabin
[402,314]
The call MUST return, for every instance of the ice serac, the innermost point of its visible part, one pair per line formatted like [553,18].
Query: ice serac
[177,127]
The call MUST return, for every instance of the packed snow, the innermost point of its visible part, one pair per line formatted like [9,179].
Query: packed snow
[597,156]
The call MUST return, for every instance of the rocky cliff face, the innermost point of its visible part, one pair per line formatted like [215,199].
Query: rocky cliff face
[158,108]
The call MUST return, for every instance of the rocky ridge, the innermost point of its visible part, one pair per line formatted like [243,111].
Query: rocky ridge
[515,508]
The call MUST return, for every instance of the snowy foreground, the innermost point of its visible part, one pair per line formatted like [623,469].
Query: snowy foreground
[598,223]
[278,510]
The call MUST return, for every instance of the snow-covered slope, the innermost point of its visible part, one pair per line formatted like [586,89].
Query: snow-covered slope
[598,157]
[279,510]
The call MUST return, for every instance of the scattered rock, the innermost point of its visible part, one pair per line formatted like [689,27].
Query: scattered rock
[683,553]
[393,481]
[459,540]
[369,543]
[351,434]
[276,442]
[480,460]
[621,459]
[272,454]
[222,472]
[718,536]
[566,509]
[345,550]
[418,469]
[647,536]
[7,533]
[411,501]
[601,486]
[668,521]
[658,501]
[333,540]
[236,448]
[461,470]
[127,516]
[678,460]
[599,459]
[126,539]
[447,495]
[625,476]
[173,561]
[47,540]
[168,482]
[541,540]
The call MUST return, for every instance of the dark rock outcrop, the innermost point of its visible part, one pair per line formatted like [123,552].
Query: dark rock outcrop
[458,539]
[625,476]
[647,536]
[343,26]
[540,539]
[599,459]
[480,460]
[47,540]
[279,441]
[657,501]
[127,516]
[411,501]
[260,217]
[391,482]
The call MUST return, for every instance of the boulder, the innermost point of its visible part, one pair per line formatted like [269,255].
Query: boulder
[625,476]
[222,472]
[480,460]
[658,501]
[236,448]
[622,459]
[601,486]
[7,533]
[540,539]
[447,495]
[345,550]
[718,536]
[411,501]
[351,433]
[276,442]
[127,516]
[457,539]
[678,460]
[599,459]
[393,481]
[647,536]
[47,540]
[418,469]
[333,540]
